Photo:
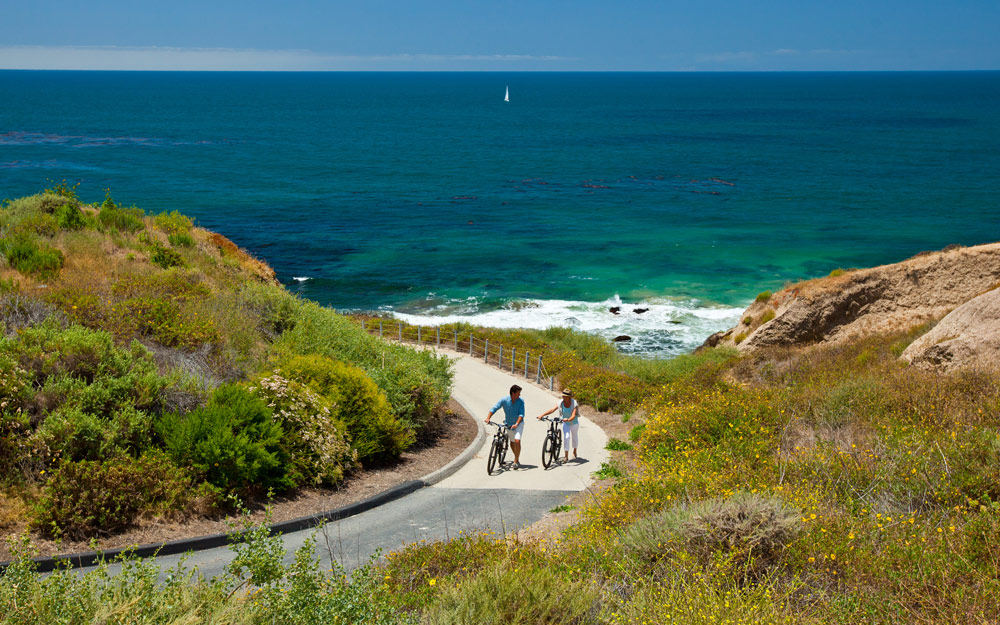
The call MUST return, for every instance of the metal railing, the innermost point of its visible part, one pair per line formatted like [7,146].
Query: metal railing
[507,358]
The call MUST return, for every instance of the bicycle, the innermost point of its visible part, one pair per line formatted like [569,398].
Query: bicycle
[498,448]
[552,442]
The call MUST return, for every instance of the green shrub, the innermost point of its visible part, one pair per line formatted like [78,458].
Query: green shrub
[43,224]
[232,442]
[375,432]
[615,444]
[273,308]
[172,284]
[119,218]
[739,338]
[763,297]
[608,470]
[165,257]
[29,256]
[126,376]
[173,223]
[636,432]
[165,321]
[85,498]
[180,239]
[767,316]
[525,595]
[319,450]
[70,217]
[837,272]
[415,382]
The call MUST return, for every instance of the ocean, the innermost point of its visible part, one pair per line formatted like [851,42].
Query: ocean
[427,196]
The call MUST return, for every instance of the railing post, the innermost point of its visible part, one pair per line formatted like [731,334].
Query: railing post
[525,364]
[500,358]
[486,352]
[380,328]
[399,326]
[538,372]
[438,332]
[456,339]
[513,355]
[470,343]
[552,383]
[418,335]
[363,325]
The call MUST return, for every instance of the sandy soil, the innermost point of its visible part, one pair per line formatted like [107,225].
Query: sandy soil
[458,432]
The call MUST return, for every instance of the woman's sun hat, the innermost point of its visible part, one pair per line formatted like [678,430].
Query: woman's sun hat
[567,393]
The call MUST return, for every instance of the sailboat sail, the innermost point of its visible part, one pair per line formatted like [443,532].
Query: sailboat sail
[506,94]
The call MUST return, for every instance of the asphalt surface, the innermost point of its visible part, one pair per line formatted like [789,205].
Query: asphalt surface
[428,514]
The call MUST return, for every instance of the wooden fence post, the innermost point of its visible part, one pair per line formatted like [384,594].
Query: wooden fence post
[399,327]
[513,355]
[437,331]
[486,352]
[500,357]
[456,340]
[470,343]
[538,372]
[525,364]
[418,335]
[380,328]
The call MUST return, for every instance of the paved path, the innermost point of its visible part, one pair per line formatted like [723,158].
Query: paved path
[477,387]
[467,501]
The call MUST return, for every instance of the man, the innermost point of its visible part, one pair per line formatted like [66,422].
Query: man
[513,409]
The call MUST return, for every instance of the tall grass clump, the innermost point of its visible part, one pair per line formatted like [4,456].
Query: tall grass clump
[30,256]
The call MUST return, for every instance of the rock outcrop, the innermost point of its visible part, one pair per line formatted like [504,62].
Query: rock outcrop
[967,338]
[863,302]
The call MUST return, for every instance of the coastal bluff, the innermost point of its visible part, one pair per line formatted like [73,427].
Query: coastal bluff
[853,304]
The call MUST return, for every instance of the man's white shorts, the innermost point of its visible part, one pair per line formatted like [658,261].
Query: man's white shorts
[514,434]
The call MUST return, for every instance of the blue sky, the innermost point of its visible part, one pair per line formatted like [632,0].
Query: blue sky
[505,36]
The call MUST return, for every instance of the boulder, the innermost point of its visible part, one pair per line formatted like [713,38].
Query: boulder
[967,338]
[623,338]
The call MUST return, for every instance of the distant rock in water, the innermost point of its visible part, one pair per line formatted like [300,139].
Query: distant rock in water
[967,338]
[639,311]
[614,310]
[853,304]
[623,338]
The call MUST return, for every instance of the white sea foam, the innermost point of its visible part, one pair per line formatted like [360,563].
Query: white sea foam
[300,278]
[668,327]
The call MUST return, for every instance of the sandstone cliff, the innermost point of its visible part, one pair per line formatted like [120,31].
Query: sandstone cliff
[863,302]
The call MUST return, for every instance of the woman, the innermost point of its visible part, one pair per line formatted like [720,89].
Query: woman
[569,410]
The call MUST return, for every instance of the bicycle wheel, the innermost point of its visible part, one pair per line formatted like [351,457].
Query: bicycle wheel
[547,454]
[491,462]
[556,446]
[503,449]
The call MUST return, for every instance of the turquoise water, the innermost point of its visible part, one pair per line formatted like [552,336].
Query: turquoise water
[427,195]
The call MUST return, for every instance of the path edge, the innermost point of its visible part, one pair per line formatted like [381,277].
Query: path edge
[212,541]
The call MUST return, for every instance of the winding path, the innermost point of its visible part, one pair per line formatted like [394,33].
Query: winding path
[468,500]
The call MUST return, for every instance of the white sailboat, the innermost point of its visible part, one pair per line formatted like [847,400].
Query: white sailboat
[506,94]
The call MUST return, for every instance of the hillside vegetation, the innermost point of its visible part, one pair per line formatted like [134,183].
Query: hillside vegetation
[835,484]
[150,368]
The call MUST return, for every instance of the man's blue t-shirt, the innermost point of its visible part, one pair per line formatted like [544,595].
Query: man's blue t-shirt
[511,409]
